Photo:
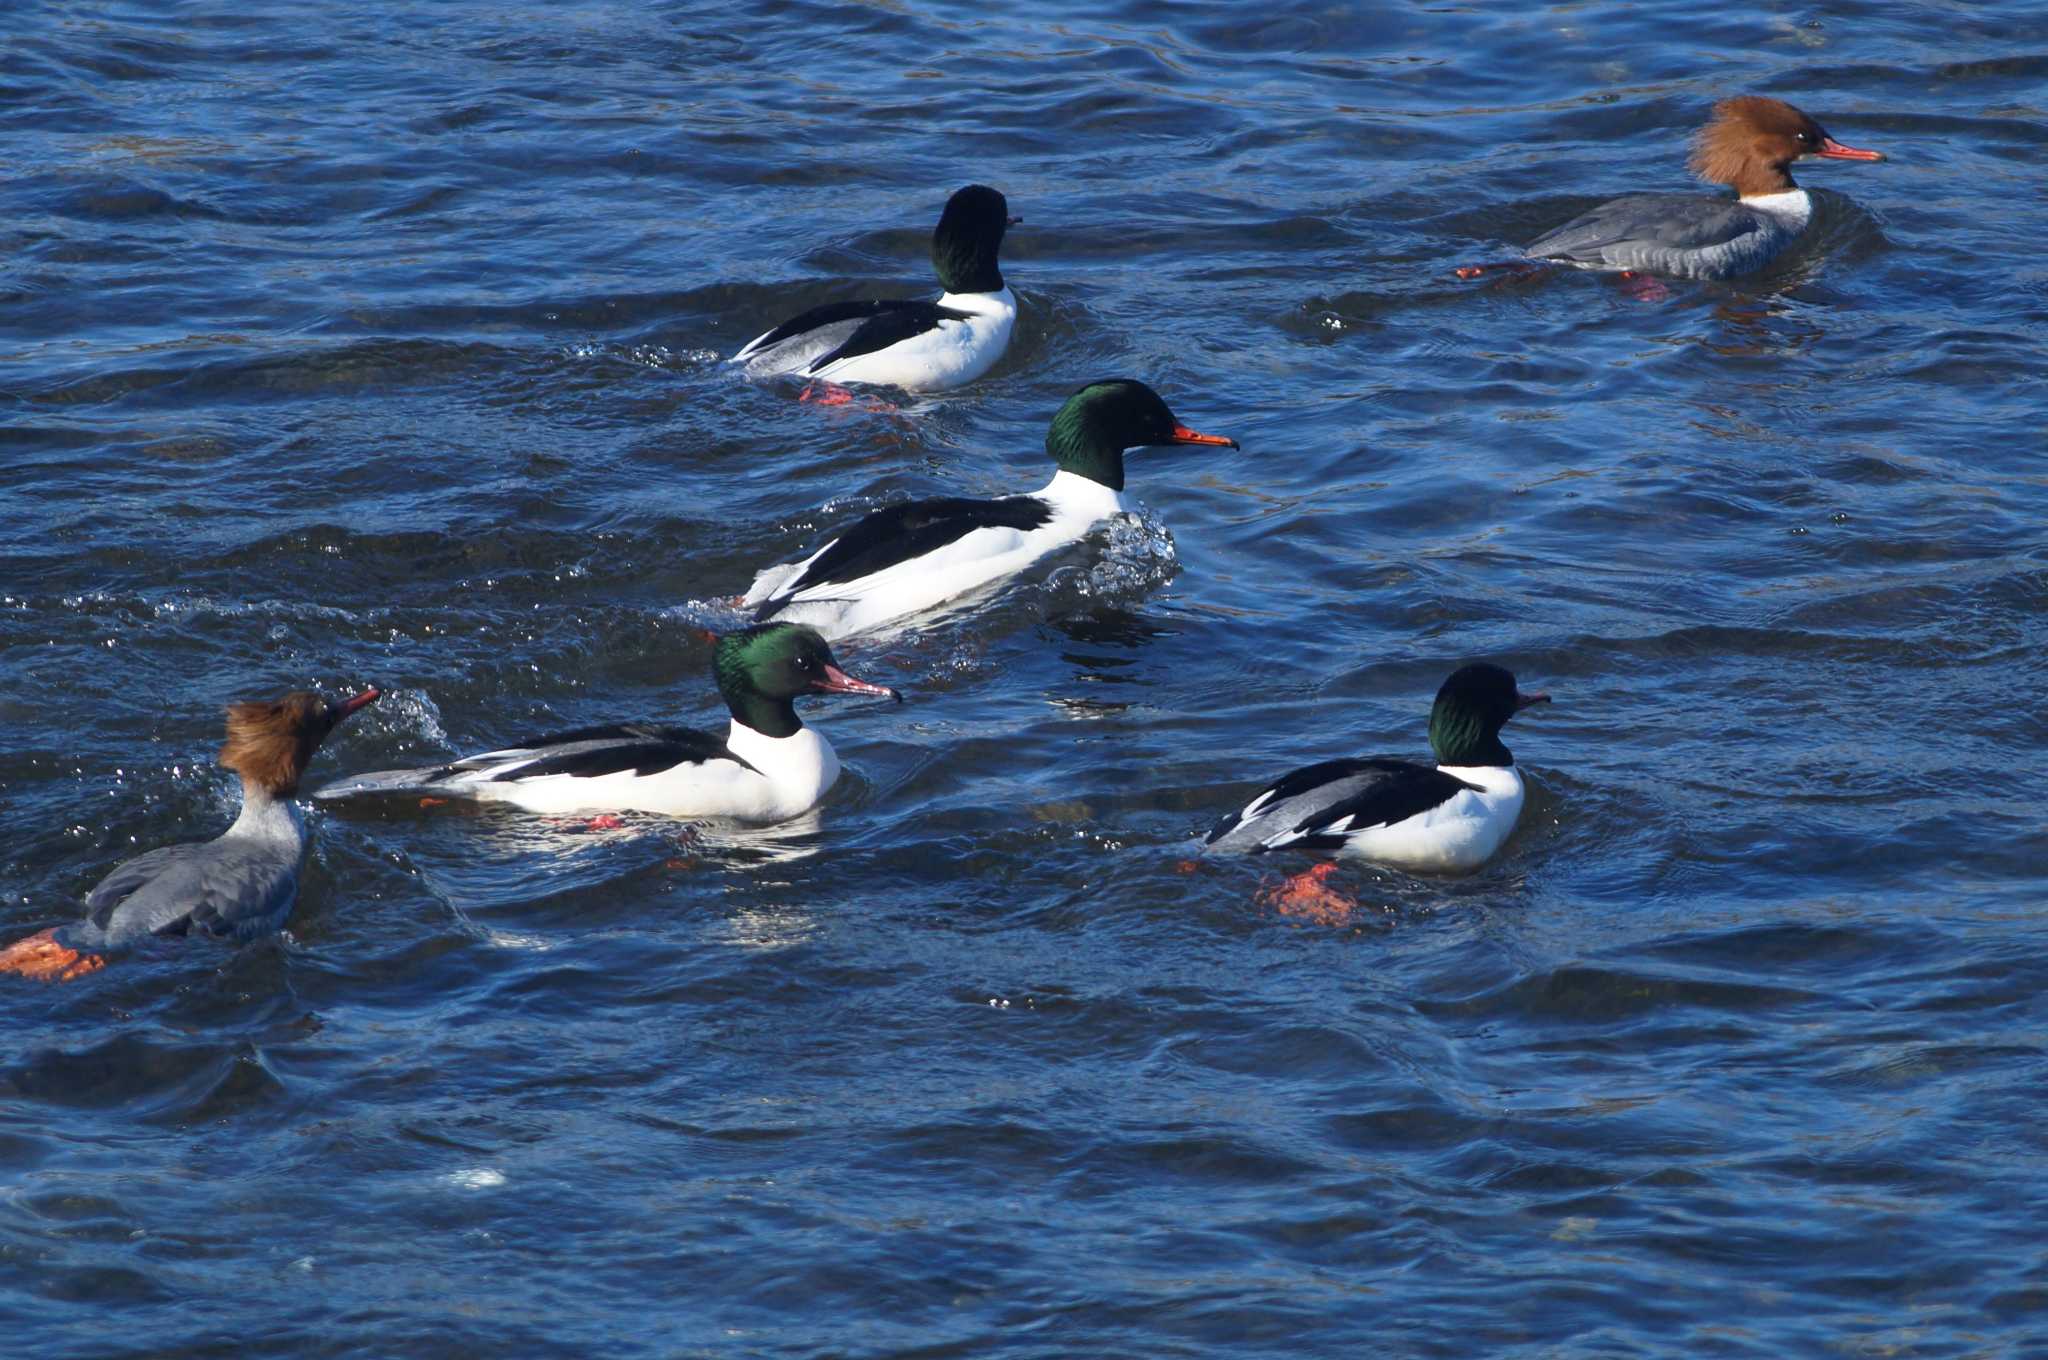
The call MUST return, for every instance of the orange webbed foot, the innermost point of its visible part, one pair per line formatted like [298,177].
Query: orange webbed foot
[603,821]
[40,957]
[825,394]
[1304,897]
[1643,287]
[1511,271]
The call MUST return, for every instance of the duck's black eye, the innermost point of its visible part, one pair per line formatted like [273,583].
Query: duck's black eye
[1806,137]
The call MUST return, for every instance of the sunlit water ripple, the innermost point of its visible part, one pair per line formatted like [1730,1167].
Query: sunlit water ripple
[382,344]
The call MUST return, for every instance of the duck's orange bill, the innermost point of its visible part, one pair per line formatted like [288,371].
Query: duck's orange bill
[1183,435]
[1835,150]
[40,957]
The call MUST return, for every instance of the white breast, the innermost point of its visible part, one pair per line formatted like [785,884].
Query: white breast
[1455,836]
[1792,209]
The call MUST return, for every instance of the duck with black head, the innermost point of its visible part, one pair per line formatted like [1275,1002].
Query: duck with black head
[768,766]
[1450,817]
[912,557]
[1750,145]
[237,886]
[917,346]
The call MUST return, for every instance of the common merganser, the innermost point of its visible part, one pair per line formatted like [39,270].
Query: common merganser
[237,886]
[918,346]
[1750,144]
[768,766]
[913,556]
[1449,817]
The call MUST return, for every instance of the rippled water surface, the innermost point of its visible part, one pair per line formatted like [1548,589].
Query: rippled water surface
[380,342]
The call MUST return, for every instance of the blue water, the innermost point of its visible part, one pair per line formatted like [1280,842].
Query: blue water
[379,342]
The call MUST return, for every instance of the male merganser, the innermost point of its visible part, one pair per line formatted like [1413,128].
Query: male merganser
[237,886]
[910,557]
[1449,817]
[1750,144]
[768,766]
[919,346]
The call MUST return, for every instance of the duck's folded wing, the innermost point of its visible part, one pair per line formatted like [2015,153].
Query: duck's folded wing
[1654,221]
[826,326]
[217,888]
[640,748]
[1318,806]
[892,537]
[901,321]
[130,876]
[588,752]
[843,330]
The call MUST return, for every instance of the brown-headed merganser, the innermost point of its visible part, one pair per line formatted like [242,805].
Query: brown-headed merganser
[237,886]
[1750,146]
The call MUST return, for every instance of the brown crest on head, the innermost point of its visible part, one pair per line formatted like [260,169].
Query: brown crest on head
[270,743]
[1752,141]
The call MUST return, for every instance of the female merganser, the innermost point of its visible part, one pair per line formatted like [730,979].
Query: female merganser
[1750,144]
[1448,817]
[910,557]
[919,346]
[237,886]
[767,767]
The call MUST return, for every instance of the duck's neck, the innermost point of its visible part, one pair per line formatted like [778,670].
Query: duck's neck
[1070,493]
[1792,209]
[268,814]
[774,718]
[1759,179]
[967,266]
[796,750]
[1094,458]
[1459,739]
[998,302]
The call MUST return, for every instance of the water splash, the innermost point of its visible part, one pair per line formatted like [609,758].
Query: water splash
[643,356]
[1138,558]
[413,715]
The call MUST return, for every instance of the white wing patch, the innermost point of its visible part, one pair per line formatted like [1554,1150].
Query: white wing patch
[1256,806]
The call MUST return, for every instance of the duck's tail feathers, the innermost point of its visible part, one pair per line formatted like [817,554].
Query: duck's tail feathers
[768,582]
